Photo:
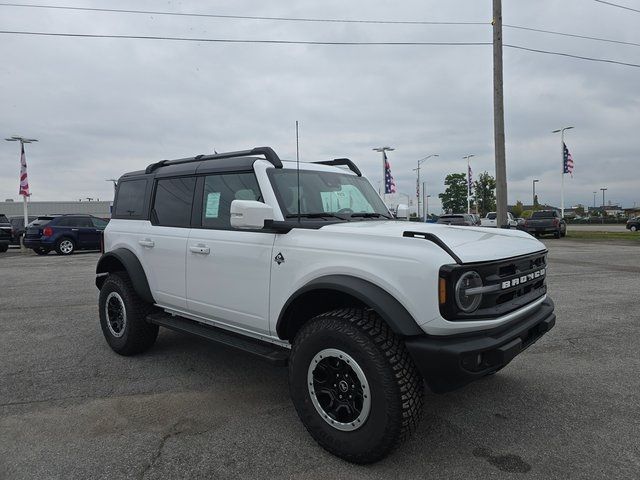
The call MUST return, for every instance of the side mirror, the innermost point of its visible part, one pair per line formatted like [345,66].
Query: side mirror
[402,212]
[249,214]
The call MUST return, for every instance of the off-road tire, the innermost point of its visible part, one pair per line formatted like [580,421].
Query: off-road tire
[395,385]
[41,251]
[61,249]
[137,335]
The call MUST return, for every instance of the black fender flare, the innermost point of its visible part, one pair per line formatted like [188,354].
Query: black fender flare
[371,295]
[119,259]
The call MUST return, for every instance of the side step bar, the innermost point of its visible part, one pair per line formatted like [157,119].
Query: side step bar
[267,351]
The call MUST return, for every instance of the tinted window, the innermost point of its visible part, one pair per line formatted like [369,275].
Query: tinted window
[4,219]
[98,222]
[74,222]
[491,216]
[220,191]
[40,221]
[130,198]
[173,202]
[544,214]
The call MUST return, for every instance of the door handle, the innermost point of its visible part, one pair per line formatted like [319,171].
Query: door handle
[146,243]
[74,229]
[200,248]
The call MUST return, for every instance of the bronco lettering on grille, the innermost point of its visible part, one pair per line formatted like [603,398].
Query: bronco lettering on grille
[524,278]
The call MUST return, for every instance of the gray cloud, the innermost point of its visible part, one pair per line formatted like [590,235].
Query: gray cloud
[101,107]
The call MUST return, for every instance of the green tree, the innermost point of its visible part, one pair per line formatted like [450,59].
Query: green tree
[485,193]
[454,198]
[517,209]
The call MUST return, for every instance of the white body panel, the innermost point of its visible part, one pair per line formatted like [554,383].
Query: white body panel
[230,283]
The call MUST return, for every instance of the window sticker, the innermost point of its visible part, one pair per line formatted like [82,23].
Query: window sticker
[213,205]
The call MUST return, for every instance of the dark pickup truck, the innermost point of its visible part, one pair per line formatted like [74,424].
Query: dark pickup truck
[5,233]
[545,222]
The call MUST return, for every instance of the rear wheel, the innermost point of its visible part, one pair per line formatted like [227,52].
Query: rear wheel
[41,251]
[557,233]
[634,228]
[123,316]
[4,248]
[354,385]
[65,246]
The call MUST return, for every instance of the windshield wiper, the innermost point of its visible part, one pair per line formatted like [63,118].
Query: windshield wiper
[370,215]
[315,215]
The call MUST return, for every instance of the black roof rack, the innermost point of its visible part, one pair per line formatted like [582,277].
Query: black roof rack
[268,153]
[343,161]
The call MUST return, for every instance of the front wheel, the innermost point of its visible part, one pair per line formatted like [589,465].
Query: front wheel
[354,385]
[123,316]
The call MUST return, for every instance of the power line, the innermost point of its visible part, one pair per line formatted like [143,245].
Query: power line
[305,42]
[318,20]
[230,40]
[574,35]
[591,59]
[239,17]
[618,6]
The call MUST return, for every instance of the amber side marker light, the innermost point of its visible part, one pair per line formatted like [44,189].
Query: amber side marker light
[442,291]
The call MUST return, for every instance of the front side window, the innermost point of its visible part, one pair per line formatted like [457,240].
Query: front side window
[173,201]
[99,223]
[222,189]
[328,194]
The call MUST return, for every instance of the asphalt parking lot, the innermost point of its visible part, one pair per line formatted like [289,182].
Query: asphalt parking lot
[569,407]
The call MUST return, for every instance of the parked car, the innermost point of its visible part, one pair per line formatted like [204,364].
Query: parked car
[17,227]
[362,308]
[459,219]
[5,233]
[543,222]
[490,220]
[476,218]
[64,233]
[633,224]
[520,223]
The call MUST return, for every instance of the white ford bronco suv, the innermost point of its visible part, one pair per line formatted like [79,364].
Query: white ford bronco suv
[306,267]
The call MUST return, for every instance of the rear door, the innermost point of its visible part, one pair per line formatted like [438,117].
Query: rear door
[228,270]
[162,242]
[86,232]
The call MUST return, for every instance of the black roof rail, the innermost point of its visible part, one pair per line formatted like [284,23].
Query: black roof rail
[268,153]
[343,161]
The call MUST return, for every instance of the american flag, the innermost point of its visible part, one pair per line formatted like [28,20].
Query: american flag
[469,180]
[389,182]
[567,161]
[24,182]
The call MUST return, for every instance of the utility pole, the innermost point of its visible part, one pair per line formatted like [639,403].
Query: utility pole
[420,162]
[533,199]
[467,157]
[22,140]
[498,117]
[384,168]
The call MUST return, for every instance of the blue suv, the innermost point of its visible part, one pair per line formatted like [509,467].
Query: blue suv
[64,233]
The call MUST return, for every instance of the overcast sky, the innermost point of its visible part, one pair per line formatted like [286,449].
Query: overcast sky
[101,107]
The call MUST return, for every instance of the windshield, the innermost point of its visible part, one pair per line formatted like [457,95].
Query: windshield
[326,195]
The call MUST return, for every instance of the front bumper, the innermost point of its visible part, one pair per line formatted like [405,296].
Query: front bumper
[447,363]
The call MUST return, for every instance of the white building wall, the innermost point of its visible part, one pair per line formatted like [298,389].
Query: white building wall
[99,209]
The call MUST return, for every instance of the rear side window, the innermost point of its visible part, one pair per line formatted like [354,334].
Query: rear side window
[173,202]
[130,199]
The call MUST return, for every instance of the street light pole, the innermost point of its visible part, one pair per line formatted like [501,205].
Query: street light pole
[22,140]
[115,185]
[420,162]
[561,130]
[594,200]
[467,157]
[533,199]
[603,190]
[384,168]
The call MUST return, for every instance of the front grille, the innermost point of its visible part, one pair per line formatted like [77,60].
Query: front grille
[513,283]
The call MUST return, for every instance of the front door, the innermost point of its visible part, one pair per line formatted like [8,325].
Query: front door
[228,270]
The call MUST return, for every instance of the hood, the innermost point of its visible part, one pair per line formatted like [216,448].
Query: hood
[470,244]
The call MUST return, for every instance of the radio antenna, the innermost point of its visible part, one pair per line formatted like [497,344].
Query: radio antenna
[298,167]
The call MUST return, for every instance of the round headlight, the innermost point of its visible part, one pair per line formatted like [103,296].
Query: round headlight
[468,302]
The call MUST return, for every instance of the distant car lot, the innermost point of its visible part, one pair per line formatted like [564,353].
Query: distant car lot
[71,408]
